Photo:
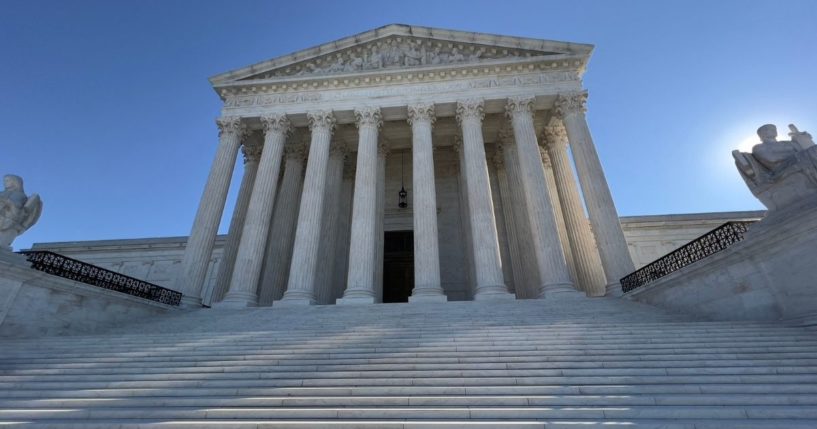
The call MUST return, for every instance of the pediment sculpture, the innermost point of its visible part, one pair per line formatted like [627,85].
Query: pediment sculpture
[18,212]
[397,52]
[781,174]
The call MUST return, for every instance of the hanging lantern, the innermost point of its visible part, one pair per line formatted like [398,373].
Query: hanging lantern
[402,201]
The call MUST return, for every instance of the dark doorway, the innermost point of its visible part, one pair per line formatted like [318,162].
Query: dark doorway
[398,265]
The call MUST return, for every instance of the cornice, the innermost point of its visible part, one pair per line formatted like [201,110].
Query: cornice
[426,74]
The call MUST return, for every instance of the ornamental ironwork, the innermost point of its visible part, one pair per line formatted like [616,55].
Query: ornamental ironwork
[708,244]
[72,269]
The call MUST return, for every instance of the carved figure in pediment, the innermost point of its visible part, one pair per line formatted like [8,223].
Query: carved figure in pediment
[780,173]
[476,55]
[456,56]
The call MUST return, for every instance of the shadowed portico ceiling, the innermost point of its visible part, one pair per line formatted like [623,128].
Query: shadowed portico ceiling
[422,51]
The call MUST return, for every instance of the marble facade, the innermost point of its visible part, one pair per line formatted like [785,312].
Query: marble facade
[478,127]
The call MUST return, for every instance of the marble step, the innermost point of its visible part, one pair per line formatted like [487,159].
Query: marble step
[472,390]
[420,424]
[422,412]
[356,380]
[510,340]
[562,360]
[434,364]
[398,401]
[543,352]
[318,373]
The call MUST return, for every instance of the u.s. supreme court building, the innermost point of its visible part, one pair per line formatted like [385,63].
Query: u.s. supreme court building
[404,164]
[473,129]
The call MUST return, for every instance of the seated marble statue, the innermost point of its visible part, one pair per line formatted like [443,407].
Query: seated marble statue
[780,173]
[17,211]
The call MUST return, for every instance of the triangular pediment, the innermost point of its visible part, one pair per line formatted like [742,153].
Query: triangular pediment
[396,47]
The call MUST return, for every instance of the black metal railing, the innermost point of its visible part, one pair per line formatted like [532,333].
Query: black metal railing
[63,266]
[710,243]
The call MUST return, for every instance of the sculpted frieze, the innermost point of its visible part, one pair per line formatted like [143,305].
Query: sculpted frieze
[397,52]
[239,101]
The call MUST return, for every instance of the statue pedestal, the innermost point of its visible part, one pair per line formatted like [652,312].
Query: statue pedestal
[770,275]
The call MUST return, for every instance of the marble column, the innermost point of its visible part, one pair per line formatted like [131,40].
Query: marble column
[487,265]
[199,248]
[528,284]
[427,287]
[586,257]
[252,153]
[360,287]
[553,195]
[615,256]
[301,285]
[514,256]
[465,224]
[344,230]
[382,153]
[278,253]
[248,262]
[554,277]
[329,225]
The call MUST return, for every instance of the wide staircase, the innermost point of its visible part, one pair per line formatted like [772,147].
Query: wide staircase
[569,363]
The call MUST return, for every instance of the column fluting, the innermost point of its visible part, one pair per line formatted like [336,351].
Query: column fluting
[553,196]
[301,284]
[199,249]
[487,264]
[586,256]
[329,224]
[280,240]
[427,285]
[248,262]
[528,285]
[362,247]
[550,260]
[615,256]
[252,153]
[505,196]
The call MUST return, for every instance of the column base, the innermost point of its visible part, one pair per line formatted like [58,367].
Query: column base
[190,302]
[236,300]
[613,290]
[493,293]
[559,290]
[355,300]
[293,302]
[431,297]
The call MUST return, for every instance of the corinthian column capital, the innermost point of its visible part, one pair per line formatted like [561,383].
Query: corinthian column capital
[499,158]
[506,135]
[519,105]
[368,116]
[383,149]
[555,135]
[231,125]
[251,152]
[276,123]
[545,157]
[468,109]
[421,113]
[571,102]
[321,119]
[295,150]
[337,148]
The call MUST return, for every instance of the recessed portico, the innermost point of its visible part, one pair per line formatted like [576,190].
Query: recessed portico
[454,118]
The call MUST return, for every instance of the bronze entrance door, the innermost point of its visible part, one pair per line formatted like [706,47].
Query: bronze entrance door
[398,265]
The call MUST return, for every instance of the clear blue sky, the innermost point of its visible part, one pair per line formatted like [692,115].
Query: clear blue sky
[106,111]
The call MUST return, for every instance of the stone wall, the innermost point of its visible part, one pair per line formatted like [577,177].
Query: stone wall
[33,303]
[770,275]
[157,260]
